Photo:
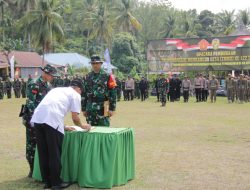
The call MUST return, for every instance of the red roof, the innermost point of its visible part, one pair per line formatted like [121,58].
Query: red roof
[23,59]
[27,59]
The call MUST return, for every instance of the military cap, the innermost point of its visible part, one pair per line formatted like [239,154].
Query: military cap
[96,59]
[50,70]
[77,82]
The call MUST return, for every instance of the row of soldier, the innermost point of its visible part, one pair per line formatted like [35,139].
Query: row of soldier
[132,88]
[18,86]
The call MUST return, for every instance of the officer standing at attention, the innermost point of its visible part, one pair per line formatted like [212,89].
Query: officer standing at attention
[8,87]
[213,86]
[23,88]
[36,91]
[1,89]
[230,88]
[99,97]
[163,88]
[186,84]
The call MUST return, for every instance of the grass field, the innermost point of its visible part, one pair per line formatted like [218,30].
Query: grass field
[185,146]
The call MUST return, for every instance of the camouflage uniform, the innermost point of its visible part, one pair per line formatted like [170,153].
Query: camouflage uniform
[118,89]
[96,91]
[59,82]
[23,88]
[66,82]
[163,87]
[1,89]
[36,91]
[17,88]
[8,87]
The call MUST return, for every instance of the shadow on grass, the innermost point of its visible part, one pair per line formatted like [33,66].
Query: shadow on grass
[23,183]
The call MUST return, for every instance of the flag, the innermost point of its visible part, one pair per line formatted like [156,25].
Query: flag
[107,61]
[12,65]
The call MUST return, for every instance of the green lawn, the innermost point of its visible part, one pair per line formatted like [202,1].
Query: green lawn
[181,146]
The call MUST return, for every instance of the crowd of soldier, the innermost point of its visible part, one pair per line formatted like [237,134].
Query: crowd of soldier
[237,88]
[132,89]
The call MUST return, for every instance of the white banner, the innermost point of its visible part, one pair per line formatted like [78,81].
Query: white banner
[12,65]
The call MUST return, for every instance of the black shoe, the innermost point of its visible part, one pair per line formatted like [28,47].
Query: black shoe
[47,186]
[60,186]
[30,174]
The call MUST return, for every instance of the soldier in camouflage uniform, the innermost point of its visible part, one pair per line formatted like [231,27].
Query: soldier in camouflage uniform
[1,89]
[8,87]
[36,91]
[98,88]
[118,89]
[23,88]
[163,87]
[242,84]
[66,81]
[59,82]
[17,88]
[230,88]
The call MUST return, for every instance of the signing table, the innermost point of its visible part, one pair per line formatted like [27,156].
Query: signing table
[101,158]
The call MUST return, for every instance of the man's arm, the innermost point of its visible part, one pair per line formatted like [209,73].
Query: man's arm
[76,120]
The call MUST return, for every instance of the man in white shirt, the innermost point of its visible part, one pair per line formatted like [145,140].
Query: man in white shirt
[48,120]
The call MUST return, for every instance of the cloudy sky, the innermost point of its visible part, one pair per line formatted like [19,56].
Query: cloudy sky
[213,5]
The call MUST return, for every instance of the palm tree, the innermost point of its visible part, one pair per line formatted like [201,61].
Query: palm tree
[189,24]
[44,25]
[169,25]
[89,7]
[101,25]
[244,17]
[26,6]
[226,22]
[125,20]
[3,23]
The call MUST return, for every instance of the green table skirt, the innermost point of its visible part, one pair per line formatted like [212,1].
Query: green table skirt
[102,158]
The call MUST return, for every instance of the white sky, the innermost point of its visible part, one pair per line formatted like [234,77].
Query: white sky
[213,5]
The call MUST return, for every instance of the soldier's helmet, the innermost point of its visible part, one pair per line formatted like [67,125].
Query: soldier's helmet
[95,59]
[50,70]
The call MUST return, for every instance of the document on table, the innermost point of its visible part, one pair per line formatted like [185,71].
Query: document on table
[81,129]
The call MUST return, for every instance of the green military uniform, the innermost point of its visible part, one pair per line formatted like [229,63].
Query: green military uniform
[17,88]
[66,82]
[118,89]
[1,89]
[23,88]
[59,82]
[8,88]
[36,91]
[96,91]
[163,88]
[137,90]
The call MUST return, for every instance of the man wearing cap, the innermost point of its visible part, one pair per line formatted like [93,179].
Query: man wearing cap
[36,91]
[163,87]
[242,85]
[186,85]
[230,88]
[99,98]
[48,120]
[213,86]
